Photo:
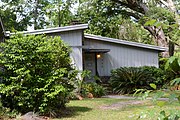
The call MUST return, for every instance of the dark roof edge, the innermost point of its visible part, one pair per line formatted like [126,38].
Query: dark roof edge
[55,30]
[124,42]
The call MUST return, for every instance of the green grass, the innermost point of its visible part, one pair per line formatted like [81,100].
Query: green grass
[90,109]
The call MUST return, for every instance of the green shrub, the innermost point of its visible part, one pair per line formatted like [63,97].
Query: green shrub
[162,62]
[35,75]
[127,79]
[159,76]
[6,113]
[173,65]
[94,88]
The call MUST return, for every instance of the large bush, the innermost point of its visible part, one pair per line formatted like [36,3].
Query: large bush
[159,76]
[127,79]
[36,74]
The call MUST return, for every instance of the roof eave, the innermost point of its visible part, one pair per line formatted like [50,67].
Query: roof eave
[135,44]
[56,30]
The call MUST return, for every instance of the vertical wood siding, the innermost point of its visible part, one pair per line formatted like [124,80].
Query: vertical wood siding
[73,39]
[76,56]
[121,55]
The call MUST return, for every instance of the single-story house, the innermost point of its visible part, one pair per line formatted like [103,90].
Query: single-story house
[102,54]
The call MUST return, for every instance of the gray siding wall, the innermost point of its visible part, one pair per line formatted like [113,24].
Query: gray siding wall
[121,55]
[73,39]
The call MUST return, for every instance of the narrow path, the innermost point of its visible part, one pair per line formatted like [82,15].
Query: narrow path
[131,98]
[122,104]
[120,97]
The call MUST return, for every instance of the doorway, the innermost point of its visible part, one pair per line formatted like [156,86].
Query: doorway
[90,63]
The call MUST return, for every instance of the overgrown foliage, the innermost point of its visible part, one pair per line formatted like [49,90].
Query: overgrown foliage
[37,74]
[127,79]
[160,77]
[173,64]
[95,89]
[6,113]
[105,20]
[171,97]
[81,81]
[83,88]
[125,19]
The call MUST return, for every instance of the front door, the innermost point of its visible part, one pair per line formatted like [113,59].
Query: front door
[90,64]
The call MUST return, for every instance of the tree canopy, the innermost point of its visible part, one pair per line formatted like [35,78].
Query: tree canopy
[151,21]
[19,14]
[160,18]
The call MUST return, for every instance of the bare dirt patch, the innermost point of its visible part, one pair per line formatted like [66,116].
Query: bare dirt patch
[122,104]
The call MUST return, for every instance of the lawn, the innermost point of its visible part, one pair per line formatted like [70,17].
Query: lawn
[115,109]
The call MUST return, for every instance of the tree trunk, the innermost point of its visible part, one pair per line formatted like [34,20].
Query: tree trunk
[59,14]
[171,48]
[161,41]
[173,9]
[159,38]
[36,14]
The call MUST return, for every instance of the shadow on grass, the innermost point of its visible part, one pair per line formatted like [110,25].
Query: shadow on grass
[73,111]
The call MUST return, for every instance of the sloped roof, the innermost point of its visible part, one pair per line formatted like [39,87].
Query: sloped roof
[95,37]
[57,29]
[124,42]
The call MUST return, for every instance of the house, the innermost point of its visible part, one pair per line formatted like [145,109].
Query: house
[102,54]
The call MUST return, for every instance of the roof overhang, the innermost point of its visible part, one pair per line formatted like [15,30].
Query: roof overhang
[86,50]
[124,42]
[56,30]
